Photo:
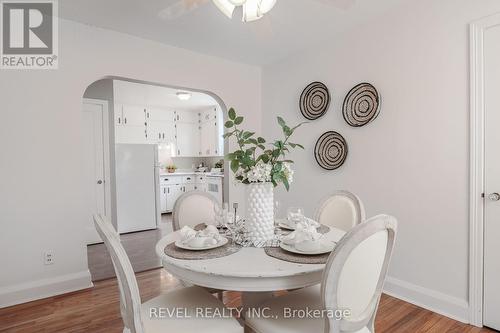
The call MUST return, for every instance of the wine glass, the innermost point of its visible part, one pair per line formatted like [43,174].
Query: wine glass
[219,222]
[294,215]
[276,209]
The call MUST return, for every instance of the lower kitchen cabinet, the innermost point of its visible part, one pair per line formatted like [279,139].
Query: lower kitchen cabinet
[189,187]
[173,193]
[163,199]
[173,186]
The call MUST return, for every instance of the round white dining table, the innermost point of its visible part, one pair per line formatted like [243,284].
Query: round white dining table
[249,270]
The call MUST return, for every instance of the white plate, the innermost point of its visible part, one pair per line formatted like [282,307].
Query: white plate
[284,225]
[325,247]
[223,241]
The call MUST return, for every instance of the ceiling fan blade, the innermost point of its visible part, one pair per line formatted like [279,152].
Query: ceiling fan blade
[180,8]
[341,4]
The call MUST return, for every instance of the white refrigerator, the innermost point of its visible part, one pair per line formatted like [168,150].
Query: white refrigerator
[137,187]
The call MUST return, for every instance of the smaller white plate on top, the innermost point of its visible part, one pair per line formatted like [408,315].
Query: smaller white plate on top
[325,247]
[223,241]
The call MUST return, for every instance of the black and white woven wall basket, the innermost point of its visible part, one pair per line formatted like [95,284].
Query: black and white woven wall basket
[361,105]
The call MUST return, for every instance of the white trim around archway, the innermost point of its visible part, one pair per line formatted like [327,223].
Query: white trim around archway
[476,168]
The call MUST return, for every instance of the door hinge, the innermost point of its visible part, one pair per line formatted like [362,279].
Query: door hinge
[482,195]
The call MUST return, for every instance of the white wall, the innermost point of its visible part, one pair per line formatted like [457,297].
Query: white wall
[412,162]
[40,134]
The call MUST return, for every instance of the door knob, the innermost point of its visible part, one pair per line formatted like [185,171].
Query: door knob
[99,182]
[494,196]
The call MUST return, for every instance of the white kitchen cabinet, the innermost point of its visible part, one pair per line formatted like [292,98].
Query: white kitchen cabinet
[189,187]
[173,193]
[201,187]
[208,138]
[160,125]
[161,132]
[163,199]
[188,139]
[159,114]
[130,124]
[192,133]
[211,131]
[173,186]
[130,134]
[208,115]
[184,116]
[133,115]
[201,183]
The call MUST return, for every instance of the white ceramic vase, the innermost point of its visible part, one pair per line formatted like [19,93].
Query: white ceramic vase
[259,211]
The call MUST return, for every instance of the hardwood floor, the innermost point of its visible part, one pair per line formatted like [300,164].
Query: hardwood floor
[140,247]
[97,310]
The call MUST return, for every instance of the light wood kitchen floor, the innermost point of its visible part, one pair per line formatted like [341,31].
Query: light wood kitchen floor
[140,247]
[97,310]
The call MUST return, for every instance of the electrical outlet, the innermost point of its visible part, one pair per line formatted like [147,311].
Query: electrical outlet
[48,258]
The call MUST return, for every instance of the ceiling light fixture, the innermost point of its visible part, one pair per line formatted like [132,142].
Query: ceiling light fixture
[252,9]
[183,95]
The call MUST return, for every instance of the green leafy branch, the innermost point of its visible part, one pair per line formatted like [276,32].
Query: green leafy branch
[253,150]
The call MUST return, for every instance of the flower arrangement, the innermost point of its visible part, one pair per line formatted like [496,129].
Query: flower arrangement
[257,161]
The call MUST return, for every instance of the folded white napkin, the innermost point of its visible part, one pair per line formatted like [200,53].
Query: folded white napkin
[304,221]
[208,236]
[302,233]
[309,222]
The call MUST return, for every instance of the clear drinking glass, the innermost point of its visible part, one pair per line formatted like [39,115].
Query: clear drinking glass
[294,215]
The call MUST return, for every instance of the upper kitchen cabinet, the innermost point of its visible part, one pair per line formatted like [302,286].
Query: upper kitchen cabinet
[133,115]
[158,115]
[130,112]
[187,116]
[130,124]
[160,125]
[211,132]
[187,127]
[209,115]
[160,132]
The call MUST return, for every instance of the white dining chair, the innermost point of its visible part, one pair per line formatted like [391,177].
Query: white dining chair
[136,315]
[342,210]
[192,208]
[352,281]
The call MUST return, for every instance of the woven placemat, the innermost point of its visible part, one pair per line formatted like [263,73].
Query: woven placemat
[279,253]
[173,251]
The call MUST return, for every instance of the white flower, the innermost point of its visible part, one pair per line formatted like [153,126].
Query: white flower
[239,173]
[287,170]
[259,173]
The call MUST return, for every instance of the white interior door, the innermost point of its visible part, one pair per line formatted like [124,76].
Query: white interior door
[492,179]
[94,159]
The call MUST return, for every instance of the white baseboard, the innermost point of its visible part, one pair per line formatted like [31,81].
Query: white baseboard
[446,305]
[30,291]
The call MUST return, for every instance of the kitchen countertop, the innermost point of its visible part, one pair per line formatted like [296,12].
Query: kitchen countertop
[186,173]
